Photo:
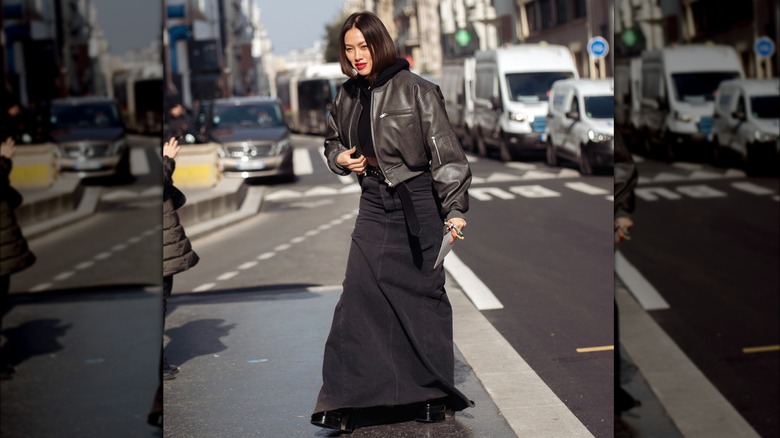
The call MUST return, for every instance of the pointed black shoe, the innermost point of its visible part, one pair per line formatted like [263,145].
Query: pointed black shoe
[432,411]
[340,419]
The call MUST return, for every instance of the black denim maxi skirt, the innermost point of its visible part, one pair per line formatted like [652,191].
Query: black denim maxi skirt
[390,341]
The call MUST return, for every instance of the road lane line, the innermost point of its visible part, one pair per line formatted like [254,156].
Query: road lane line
[134,240]
[752,188]
[119,247]
[247,265]
[529,406]
[298,239]
[103,255]
[63,276]
[762,349]
[227,275]
[586,188]
[40,287]
[311,233]
[595,349]
[283,247]
[302,162]
[138,163]
[204,287]
[266,255]
[674,379]
[85,265]
[640,288]
[472,286]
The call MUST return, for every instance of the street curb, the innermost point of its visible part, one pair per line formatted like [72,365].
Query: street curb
[251,201]
[43,213]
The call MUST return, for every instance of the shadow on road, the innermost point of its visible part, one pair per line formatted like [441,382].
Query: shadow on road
[31,338]
[197,338]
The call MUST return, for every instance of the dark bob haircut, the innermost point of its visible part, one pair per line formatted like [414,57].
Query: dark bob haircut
[380,44]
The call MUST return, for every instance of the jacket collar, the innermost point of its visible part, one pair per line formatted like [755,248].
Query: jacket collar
[353,85]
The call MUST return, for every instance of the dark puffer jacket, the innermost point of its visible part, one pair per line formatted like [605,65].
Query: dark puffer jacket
[178,255]
[14,253]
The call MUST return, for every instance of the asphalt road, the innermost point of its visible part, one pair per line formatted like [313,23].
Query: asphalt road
[84,329]
[706,239]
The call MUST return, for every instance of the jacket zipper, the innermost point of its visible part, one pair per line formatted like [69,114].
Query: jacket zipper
[435,146]
[376,149]
[351,121]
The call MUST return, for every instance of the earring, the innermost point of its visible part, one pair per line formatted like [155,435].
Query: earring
[354,71]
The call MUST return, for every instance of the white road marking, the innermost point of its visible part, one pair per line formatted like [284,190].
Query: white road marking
[644,292]
[586,188]
[520,165]
[282,194]
[655,193]
[302,162]
[247,265]
[752,188]
[700,191]
[40,287]
[266,255]
[85,265]
[487,193]
[119,247]
[204,287]
[64,275]
[500,177]
[103,256]
[227,275]
[687,166]
[321,191]
[282,247]
[610,198]
[134,239]
[675,380]
[534,191]
[298,239]
[311,233]
[138,163]
[477,291]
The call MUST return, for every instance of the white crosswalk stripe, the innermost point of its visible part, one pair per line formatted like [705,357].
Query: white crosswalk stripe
[139,165]
[302,162]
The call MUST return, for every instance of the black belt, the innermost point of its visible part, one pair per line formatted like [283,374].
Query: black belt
[406,200]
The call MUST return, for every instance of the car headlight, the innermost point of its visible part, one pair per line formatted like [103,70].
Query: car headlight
[685,118]
[763,136]
[520,117]
[281,146]
[598,137]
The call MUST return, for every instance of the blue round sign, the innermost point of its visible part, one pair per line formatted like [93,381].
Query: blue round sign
[764,47]
[598,47]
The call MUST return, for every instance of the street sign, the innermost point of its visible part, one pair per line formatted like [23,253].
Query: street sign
[598,47]
[764,47]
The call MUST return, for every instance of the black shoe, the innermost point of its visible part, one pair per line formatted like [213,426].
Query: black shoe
[168,374]
[170,368]
[432,411]
[340,419]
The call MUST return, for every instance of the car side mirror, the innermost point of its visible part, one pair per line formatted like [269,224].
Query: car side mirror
[574,115]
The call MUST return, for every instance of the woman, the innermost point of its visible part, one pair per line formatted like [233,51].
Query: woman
[390,342]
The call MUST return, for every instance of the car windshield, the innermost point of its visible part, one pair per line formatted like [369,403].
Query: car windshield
[261,115]
[533,87]
[88,115]
[765,107]
[699,87]
[600,107]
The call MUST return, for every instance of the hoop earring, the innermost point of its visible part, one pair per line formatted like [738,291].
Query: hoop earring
[354,71]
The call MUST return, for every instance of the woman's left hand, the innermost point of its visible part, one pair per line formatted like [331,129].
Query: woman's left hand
[458,224]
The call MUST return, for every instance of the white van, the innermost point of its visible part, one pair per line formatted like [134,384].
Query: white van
[511,91]
[581,123]
[457,86]
[676,99]
[747,122]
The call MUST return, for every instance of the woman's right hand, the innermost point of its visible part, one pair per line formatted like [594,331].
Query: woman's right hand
[357,165]
[171,148]
[8,148]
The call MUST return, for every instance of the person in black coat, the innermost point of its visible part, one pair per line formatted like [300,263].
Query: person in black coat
[15,255]
[178,256]
[178,122]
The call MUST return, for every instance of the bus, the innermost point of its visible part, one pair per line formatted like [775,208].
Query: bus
[138,91]
[307,97]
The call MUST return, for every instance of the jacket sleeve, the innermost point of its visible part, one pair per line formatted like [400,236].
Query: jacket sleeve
[626,177]
[449,167]
[169,165]
[333,145]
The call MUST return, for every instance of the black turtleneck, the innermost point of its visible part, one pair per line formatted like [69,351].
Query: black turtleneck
[364,124]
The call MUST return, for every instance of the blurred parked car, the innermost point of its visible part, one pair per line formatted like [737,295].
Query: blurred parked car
[747,122]
[581,123]
[90,137]
[253,136]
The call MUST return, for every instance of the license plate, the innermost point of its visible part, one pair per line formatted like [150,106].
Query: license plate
[87,165]
[250,165]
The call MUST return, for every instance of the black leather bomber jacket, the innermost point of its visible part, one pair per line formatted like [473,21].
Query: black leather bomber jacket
[411,134]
